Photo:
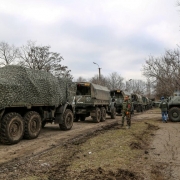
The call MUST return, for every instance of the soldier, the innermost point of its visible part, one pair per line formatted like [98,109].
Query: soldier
[164,108]
[126,111]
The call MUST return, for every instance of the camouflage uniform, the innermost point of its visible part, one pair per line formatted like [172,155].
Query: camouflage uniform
[126,111]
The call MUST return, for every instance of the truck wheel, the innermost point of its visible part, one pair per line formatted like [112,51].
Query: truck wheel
[97,118]
[82,117]
[174,114]
[76,119]
[32,125]
[113,113]
[103,114]
[67,120]
[12,128]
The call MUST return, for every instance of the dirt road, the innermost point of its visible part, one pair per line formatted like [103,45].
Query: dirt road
[161,159]
[165,151]
[50,137]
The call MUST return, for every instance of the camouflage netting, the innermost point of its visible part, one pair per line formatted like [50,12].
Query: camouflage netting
[22,86]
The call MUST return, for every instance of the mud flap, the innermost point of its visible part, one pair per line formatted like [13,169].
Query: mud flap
[59,114]
[58,118]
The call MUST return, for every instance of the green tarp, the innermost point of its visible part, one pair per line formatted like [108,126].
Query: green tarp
[23,86]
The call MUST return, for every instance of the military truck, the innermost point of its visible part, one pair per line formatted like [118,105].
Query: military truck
[145,102]
[150,103]
[137,102]
[119,95]
[93,100]
[174,107]
[31,98]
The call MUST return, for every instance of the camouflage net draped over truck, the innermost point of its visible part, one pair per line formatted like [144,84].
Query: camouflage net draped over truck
[21,86]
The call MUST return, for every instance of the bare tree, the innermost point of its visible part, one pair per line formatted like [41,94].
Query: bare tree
[164,72]
[102,81]
[115,81]
[81,79]
[8,53]
[136,86]
[40,58]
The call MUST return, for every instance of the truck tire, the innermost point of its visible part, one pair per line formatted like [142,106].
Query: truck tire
[174,114]
[82,117]
[97,118]
[12,128]
[76,119]
[33,125]
[113,113]
[103,114]
[67,122]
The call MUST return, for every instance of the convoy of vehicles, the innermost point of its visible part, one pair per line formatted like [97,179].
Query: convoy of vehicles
[29,99]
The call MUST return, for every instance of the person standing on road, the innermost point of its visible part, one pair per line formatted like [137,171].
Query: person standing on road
[164,108]
[126,111]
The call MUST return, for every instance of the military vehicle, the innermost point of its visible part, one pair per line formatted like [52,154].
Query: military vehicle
[137,102]
[146,103]
[93,100]
[174,107]
[150,103]
[119,95]
[31,98]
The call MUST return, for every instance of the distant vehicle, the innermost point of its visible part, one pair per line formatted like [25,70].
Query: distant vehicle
[147,103]
[29,99]
[137,102]
[174,107]
[93,100]
[119,95]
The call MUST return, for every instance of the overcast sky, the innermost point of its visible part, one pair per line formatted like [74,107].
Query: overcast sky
[118,35]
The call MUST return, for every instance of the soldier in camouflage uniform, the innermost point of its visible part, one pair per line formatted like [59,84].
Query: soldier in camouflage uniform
[126,111]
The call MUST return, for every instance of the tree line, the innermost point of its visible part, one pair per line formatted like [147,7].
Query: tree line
[34,57]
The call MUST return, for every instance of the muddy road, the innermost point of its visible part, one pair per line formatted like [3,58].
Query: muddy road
[160,159]
[52,136]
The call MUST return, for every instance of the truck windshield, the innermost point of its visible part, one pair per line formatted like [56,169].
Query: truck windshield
[83,89]
[134,97]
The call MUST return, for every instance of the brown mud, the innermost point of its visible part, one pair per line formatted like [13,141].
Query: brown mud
[160,161]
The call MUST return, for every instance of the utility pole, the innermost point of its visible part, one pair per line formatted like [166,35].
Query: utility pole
[99,71]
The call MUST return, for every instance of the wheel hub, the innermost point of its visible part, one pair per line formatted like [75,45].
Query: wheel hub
[69,120]
[33,125]
[175,114]
[14,129]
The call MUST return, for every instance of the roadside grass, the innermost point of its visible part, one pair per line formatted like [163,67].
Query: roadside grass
[114,149]
[110,150]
